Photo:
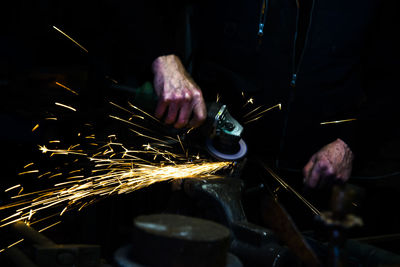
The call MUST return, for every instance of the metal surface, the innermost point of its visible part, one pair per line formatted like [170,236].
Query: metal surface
[179,241]
[239,154]
[31,235]
[48,253]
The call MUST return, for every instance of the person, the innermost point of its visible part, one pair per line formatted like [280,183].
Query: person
[311,56]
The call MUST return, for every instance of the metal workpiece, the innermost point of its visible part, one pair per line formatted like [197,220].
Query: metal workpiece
[46,253]
[178,240]
[279,221]
[31,235]
[18,258]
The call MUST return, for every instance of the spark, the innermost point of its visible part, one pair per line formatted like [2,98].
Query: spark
[35,128]
[120,178]
[249,101]
[180,142]
[13,244]
[55,175]
[44,174]
[111,169]
[64,210]
[287,187]
[252,111]
[48,227]
[147,136]
[144,112]
[260,114]
[335,122]
[27,165]
[128,122]
[67,88]
[66,35]
[218,98]
[65,106]
[111,79]
[12,216]
[20,191]
[44,149]
[27,172]
[13,187]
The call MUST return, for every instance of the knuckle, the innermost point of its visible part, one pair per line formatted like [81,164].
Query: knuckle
[187,97]
[167,98]
[196,93]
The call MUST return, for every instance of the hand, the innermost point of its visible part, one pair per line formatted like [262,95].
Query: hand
[333,161]
[179,96]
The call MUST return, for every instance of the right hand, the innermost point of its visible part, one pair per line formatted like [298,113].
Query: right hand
[180,98]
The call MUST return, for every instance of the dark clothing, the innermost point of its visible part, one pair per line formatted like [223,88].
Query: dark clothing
[323,83]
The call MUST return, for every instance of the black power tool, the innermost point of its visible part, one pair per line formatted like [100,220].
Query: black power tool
[222,131]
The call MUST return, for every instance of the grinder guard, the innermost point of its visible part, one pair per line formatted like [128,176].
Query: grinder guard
[224,140]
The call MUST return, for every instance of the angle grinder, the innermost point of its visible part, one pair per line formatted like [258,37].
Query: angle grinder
[223,133]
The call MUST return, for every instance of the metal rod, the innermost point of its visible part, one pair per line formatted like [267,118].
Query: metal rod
[31,234]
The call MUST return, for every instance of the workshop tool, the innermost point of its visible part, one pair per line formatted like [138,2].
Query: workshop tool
[176,240]
[224,140]
[44,252]
[222,132]
[219,200]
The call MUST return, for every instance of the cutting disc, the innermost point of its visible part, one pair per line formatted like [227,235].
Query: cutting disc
[242,151]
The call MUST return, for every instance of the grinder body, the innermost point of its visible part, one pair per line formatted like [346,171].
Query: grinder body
[221,131]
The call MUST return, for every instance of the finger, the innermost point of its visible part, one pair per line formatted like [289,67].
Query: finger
[184,114]
[199,114]
[172,112]
[308,167]
[161,108]
[315,174]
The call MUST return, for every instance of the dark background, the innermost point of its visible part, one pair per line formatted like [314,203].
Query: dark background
[124,38]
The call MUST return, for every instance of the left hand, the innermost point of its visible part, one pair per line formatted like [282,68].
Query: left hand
[333,161]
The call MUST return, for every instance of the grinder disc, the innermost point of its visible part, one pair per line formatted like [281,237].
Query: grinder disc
[242,151]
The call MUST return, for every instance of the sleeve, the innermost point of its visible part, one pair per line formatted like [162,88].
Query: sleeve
[378,129]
